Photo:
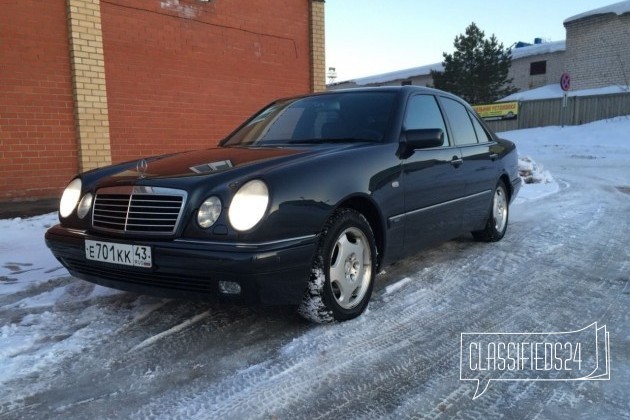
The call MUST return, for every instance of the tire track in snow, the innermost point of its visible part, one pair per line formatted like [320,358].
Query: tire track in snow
[247,390]
[243,394]
[176,329]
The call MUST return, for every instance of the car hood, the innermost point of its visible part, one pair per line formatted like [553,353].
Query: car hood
[204,162]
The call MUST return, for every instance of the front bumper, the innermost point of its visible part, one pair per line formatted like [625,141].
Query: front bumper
[270,273]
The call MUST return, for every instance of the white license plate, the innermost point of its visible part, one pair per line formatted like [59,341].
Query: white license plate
[110,252]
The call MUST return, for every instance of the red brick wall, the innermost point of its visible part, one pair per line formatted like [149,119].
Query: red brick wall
[37,136]
[182,74]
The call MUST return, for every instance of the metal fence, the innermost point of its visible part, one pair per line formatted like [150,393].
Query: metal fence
[578,110]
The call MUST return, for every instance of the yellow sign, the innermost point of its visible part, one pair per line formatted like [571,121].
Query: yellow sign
[498,111]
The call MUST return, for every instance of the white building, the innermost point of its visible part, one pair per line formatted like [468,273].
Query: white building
[596,54]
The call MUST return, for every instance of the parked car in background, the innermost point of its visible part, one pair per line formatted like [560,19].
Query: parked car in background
[300,205]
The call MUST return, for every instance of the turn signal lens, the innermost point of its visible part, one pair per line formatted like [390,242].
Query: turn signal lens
[209,212]
[84,206]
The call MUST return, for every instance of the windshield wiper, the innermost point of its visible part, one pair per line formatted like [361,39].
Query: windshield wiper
[331,140]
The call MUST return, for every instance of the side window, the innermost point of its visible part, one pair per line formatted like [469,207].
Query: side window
[482,135]
[424,112]
[463,131]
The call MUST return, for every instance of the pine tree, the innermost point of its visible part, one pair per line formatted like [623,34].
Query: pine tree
[478,69]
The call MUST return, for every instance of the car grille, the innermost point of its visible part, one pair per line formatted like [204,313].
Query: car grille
[147,210]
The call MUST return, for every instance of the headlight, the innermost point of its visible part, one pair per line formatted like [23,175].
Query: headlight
[249,205]
[70,198]
[84,205]
[209,212]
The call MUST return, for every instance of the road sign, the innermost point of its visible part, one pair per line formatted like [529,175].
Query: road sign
[565,81]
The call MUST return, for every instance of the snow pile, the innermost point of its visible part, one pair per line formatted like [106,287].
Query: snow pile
[312,306]
[531,172]
[25,261]
[575,147]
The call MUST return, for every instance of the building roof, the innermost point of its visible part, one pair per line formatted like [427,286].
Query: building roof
[537,49]
[522,52]
[619,9]
[395,75]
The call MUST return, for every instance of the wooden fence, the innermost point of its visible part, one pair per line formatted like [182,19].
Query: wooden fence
[578,110]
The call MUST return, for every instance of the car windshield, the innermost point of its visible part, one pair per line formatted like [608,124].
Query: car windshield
[337,117]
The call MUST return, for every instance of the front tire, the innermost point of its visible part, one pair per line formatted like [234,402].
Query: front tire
[343,270]
[496,226]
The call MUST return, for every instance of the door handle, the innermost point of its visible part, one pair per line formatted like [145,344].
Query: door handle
[494,156]
[456,161]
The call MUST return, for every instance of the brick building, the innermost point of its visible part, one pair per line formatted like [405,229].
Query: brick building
[86,82]
[598,47]
[537,65]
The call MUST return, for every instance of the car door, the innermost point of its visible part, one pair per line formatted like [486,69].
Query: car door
[479,166]
[431,179]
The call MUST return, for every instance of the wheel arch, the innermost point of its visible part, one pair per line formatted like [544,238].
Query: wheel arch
[508,185]
[369,210]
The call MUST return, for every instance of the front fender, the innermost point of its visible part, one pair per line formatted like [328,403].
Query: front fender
[303,196]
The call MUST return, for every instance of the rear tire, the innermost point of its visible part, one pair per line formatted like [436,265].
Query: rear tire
[496,226]
[343,270]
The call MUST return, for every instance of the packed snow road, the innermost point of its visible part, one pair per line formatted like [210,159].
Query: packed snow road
[69,349]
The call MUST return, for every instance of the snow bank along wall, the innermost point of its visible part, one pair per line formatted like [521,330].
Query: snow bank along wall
[578,110]
[86,82]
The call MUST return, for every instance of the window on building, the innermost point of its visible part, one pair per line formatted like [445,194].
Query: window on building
[538,67]
[405,83]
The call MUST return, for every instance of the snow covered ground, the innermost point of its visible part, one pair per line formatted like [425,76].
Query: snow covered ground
[69,349]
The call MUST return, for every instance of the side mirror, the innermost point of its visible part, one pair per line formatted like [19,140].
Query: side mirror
[420,139]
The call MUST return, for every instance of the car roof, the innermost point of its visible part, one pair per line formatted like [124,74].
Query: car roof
[405,90]
[409,88]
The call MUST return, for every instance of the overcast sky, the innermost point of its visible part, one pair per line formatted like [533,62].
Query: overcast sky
[367,37]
